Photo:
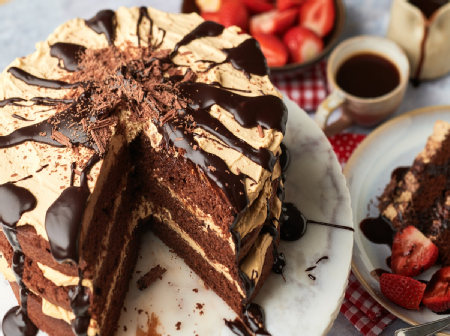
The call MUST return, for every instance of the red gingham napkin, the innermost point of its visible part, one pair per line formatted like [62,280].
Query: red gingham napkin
[308,90]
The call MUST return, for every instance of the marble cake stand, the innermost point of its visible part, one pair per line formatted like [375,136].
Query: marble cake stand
[299,304]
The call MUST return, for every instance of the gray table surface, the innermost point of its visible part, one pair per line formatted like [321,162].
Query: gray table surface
[24,22]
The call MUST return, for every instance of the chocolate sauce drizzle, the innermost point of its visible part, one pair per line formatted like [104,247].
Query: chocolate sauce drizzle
[79,303]
[279,260]
[12,102]
[104,23]
[285,158]
[64,217]
[37,81]
[68,53]
[19,117]
[15,201]
[41,101]
[143,12]
[229,88]
[246,57]
[295,224]
[204,29]
[266,111]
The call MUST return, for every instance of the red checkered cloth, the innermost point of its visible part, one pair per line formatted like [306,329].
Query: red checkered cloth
[308,90]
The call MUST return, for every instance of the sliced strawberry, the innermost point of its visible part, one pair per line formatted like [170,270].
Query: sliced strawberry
[234,14]
[273,49]
[401,290]
[318,15]
[437,294]
[258,6]
[210,16]
[208,6]
[412,252]
[273,22]
[286,4]
[303,44]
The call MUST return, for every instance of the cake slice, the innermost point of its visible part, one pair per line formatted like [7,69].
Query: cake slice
[420,194]
[135,120]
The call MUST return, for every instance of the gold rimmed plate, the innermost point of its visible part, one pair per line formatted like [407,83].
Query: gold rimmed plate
[394,144]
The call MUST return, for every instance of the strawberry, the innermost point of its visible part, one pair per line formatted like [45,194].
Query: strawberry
[401,290]
[286,4]
[318,15]
[213,16]
[437,294]
[233,14]
[273,49]
[209,6]
[273,22]
[302,44]
[412,252]
[258,6]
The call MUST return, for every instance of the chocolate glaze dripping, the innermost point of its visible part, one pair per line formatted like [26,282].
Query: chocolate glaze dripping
[266,111]
[232,186]
[143,12]
[246,57]
[204,29]
[104,23]
[279,260]
[14,202]
[295,224]
[254,320]
[42,82]
[68,53]
[12,102]
[162,38]
[285,158]
[378,230]
[79,303]
[261,156]
[64,217]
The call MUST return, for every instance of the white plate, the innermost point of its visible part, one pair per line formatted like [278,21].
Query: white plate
[368,171]
[317,186]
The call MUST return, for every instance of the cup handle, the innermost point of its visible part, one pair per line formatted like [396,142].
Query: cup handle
[331,103]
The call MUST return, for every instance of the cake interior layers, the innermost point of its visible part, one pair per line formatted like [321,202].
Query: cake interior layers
[420,195]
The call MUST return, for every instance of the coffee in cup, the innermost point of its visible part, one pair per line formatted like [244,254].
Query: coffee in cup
[368,76]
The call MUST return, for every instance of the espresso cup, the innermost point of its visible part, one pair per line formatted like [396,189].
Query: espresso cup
[365,112]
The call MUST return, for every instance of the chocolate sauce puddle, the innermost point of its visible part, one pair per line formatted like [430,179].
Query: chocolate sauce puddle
[14,202]
[378,230]
[204,29]
[104,23]
[37,81]
[69,54]
[246,57]
[295,224]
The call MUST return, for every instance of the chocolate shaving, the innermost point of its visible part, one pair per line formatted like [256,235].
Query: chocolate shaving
[61,138]
[150,277]
[260,131]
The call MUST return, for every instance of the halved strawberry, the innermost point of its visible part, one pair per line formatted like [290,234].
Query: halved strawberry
[302,43]
[286,4]
[437,294]
[412,252]
[401,290]
[273,49]
[258,6]
[318,15]
[234,14]
[273,22]
[210,16]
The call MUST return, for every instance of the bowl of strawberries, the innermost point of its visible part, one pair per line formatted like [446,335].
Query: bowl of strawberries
[293,34]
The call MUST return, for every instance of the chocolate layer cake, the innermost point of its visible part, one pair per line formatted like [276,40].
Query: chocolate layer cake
[420,195]
[131,120]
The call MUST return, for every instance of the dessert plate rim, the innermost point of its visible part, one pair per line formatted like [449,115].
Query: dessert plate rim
[353,168]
